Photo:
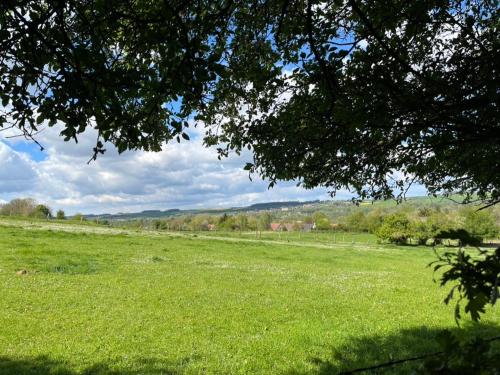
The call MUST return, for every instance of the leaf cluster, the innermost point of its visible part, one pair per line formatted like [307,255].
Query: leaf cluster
[476,279]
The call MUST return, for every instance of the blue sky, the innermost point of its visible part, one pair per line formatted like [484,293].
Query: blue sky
[31,149]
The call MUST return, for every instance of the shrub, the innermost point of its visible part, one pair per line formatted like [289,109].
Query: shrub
[42,211]
[79,217]
[323,224]
[396,228]
[264,221]
[481,224]
[421,232]
[356,221]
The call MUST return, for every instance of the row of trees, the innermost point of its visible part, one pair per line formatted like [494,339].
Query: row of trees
[238,222]
[422,225]
[28,207]
[470,227]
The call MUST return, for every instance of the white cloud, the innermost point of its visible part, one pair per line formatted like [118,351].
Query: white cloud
[185,175]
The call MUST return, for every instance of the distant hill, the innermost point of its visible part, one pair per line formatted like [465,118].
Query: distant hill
[333,208]
[155,214]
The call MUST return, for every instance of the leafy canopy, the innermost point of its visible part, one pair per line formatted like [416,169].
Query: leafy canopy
[346,93]
[476,279]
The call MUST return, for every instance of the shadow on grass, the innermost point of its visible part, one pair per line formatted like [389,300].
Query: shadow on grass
[360,352]
[45,365]
[367,351]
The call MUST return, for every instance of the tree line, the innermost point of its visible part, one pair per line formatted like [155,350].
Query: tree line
[406,225]
[427,226]
[28,207]
[421,225]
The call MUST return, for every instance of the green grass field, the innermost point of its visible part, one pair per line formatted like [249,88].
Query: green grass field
[329,237]
[116,302]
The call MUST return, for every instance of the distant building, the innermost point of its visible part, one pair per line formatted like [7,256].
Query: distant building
[211,227]
[293,227]
[275,227]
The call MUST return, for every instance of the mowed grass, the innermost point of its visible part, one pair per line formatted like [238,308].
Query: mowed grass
[159,304]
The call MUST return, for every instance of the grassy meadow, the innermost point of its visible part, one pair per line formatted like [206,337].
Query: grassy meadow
[103,301]
[326,237]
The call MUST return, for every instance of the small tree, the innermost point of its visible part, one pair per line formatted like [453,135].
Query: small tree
[60,215]
[42,211]
[323,223]
[264,221]
[242,222]
[308,220]
[480,224]
[79,217]
[357,221]
[374,220]
[318,215]
[396,228]
[429,226]
[227,222]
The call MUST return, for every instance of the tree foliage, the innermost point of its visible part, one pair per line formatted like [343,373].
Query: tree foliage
[19,207]
[395,228]
[480,223]
[26,207]
[476,279]
[78,217]
[264,221]
[60,215]
[42,211]
[366,95]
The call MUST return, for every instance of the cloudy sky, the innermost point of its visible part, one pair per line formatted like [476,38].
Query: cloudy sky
[185,175]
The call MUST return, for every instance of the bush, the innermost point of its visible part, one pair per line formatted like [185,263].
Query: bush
[323,224]
[42,211]
[480,224]
[60,215]
[264,221]
[79,217]
[422,232]
[396,228]
[427,228]
[356,222]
